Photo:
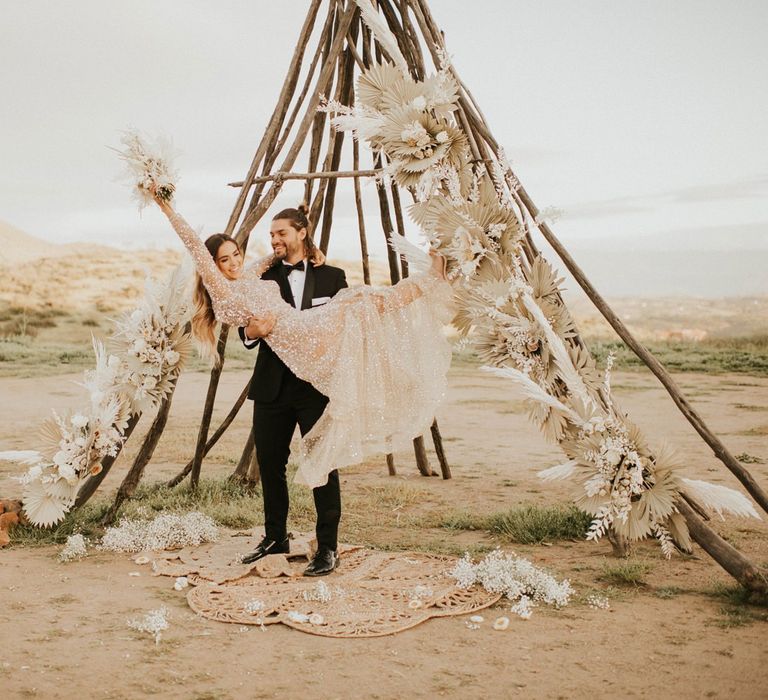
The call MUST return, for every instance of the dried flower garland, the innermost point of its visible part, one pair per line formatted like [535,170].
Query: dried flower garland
[149,349]
[511,311]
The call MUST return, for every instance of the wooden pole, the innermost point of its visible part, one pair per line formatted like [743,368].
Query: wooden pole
[240,474]
[210,399]
[360,216]
[318,134]
[213,439]
[318,125]
[93,482]
[346,85]
[280,108]
[386,227]
[400,221]
[135,473]
[422,461]
[253,216]
[733,561]
[437,440]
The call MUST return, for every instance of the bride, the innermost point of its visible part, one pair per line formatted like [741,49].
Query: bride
[378,354]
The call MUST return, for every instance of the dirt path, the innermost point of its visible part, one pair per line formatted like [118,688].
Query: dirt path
[63,626]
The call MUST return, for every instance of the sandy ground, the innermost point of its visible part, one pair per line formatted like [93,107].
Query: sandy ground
[63,626]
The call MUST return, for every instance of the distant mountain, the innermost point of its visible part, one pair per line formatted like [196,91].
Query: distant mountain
[712,262]
[672,273]
[18,247]
[736,237]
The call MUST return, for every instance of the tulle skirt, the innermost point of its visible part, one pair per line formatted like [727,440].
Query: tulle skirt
[381,357]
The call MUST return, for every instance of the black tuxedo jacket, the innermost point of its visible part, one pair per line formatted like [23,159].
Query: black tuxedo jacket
[270,371]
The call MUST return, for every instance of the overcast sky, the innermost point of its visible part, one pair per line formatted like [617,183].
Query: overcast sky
[639,120]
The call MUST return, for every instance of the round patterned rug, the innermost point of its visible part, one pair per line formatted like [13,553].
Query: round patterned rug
[371,594]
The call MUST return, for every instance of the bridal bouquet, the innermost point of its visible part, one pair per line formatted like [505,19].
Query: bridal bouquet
[149,166]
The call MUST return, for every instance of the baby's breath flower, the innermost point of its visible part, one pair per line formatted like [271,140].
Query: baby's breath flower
[155,622]
[75,548]
[166,531]
[517,578]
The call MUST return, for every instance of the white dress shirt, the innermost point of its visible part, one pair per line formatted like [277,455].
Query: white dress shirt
[296,280]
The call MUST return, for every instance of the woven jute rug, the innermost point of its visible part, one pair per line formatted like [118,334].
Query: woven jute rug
[371,594]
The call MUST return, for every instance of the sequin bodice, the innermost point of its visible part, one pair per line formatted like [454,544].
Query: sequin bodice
[234,301]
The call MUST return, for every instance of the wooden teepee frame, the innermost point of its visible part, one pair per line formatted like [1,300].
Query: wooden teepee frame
[343,45]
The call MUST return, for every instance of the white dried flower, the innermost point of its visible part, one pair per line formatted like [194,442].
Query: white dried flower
[74,549]
[253,607]
[415,604]
[79,420]
[181,583]
[515,577]
[155,622]
[296,616]
[316,619]
[501,623]
[166,531]
[523,607]
[321,593]
[476,619]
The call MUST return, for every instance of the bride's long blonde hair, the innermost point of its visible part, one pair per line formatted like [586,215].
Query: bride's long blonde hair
[204,322]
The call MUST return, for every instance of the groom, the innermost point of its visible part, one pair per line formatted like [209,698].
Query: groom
[281,400]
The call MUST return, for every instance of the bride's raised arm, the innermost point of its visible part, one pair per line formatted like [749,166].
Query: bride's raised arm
[215,282]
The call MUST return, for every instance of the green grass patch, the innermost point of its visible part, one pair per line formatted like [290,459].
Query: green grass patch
[625,573]
[229,504]
[667,592]
[712,356]
[745,458]
[526,524]
[535,524]
[740,606]
[370,515]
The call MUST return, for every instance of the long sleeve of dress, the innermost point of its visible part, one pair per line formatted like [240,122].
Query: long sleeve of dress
[234,302]
[213,279]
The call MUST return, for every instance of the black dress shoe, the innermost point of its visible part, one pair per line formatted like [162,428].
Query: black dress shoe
[267,546]
[324,561]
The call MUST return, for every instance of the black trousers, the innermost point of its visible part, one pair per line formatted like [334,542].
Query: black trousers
[298,403]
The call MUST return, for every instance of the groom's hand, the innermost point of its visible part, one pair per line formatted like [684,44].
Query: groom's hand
[259,327]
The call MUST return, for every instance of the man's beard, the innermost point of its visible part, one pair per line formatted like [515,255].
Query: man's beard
[286,253]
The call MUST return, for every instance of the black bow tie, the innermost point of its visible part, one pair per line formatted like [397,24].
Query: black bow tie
[290,268]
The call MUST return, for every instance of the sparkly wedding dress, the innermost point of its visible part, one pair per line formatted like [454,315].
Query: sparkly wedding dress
[378,354]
